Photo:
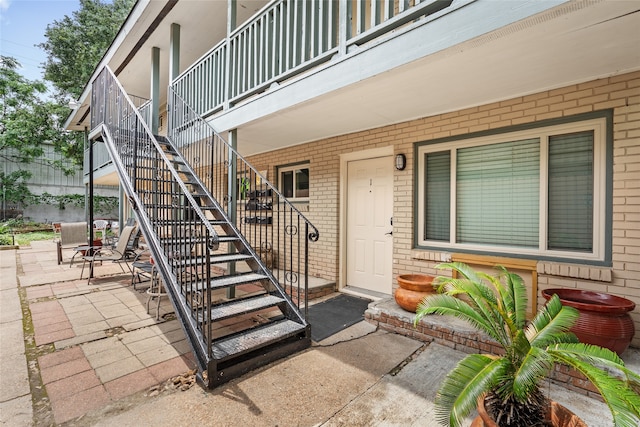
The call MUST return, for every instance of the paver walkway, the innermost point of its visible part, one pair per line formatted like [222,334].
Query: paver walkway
[91,344]
[79,355]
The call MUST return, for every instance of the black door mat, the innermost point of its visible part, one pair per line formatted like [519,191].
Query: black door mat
[338,313]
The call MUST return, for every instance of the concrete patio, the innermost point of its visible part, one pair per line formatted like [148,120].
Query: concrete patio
[75,354]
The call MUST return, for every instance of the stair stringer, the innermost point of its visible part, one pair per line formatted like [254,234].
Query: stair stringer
[242,245]
[190,327]
[143,168]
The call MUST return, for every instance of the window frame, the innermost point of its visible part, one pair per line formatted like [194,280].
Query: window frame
[602,125]
[292,167]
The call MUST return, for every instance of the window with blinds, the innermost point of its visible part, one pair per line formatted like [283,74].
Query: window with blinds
[571,192]
[539,191]
[498,193]
[438,185]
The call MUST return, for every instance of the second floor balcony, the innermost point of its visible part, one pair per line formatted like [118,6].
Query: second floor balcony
[286,72]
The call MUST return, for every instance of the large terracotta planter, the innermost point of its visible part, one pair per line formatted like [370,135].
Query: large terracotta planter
[604,319]
[558,416]
[413,288]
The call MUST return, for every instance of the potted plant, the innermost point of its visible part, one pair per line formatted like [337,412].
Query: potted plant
[508,386]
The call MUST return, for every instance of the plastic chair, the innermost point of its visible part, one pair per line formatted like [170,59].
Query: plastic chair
[100,226]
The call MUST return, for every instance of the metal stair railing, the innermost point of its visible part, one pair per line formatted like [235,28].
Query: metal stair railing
[272,226]
[181,238]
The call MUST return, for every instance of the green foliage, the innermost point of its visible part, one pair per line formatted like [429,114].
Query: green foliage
[14,186]
[496,305]
[101,204]
[27,123]
[5,240]
[75,44]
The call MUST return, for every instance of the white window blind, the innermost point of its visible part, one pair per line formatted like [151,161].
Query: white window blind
[438,195]
[570,192]
[498,192]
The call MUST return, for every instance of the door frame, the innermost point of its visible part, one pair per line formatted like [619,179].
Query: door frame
[342,232]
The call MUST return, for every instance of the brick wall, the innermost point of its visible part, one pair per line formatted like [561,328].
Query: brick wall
[620,93]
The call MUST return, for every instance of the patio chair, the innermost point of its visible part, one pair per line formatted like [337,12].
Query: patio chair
[118,254]
[141,268]
[72,235]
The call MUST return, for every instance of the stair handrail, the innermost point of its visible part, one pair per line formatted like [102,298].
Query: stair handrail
[200,345]
[213,241]
[221,165]
[314,235]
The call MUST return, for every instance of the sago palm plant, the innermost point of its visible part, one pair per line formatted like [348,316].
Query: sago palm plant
[511,382]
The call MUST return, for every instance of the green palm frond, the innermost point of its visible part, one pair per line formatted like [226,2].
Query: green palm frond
[620,397]
[461,268]
[594,355]
[481,298]
[516,295]
[551,320]
[445,304]
[470,379]
[536,365]
[505,305]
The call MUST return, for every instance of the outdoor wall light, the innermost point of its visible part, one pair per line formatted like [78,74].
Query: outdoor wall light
[401,161]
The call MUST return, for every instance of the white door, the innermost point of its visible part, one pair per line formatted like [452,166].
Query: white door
[369,211]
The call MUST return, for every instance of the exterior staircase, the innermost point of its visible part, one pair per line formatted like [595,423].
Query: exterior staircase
[205,250]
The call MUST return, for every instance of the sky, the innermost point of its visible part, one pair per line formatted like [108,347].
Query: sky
[22,26]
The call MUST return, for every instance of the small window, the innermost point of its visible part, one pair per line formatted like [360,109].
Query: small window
[294,182]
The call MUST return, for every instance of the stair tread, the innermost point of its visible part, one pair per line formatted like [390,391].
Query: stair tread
[220,282]
[183,240]
[215,259]
[238,279]
[242,306]
[180,222]
[255,338]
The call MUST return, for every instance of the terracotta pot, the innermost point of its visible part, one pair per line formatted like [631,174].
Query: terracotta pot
[604,319]
[413,288]
[558,415]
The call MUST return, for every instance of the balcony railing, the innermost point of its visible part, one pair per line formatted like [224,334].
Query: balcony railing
[288,37]
[101,156]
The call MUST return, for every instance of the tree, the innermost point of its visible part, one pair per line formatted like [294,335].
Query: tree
[27,123]
[76,44]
